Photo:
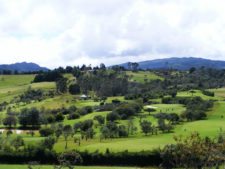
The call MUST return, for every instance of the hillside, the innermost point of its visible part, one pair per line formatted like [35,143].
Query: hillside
[23,67]
[184,63]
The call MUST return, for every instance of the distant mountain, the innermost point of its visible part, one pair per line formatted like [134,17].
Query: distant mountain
[23,67]
[184,63]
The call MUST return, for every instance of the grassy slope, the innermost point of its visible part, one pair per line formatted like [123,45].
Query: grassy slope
[141,76]
[11,86]
[133,143]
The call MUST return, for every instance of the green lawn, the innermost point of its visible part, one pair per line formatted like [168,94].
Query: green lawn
[198,93]
[210,127]
[7,81]
[140,76]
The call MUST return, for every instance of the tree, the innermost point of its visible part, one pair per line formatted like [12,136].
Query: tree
[146,127]
[68,160]
[67,131]
[50,76]
[193,69]
[134,66]
[113,128]
[48,143]
[100,119]
[163,126]
[194,151]
[10,121]
[89,134]
[45,132]
[113,116]
[58,131]
[29,117]
[8,133]
[131,128]
[122,131]
[61,85]
[149,110]
[17,142]
[85,125]
[102,66]
[74,89]
[59,117]
[105,132]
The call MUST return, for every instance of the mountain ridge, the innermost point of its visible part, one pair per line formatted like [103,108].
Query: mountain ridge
[182,63]
[23,67]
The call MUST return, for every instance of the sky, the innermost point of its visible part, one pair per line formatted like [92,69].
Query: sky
[56,33]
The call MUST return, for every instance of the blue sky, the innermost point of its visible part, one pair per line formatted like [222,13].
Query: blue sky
[73,32]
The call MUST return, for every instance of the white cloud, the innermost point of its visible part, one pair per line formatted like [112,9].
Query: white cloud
[72,32]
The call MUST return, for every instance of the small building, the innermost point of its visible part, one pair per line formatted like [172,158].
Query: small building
[84,97]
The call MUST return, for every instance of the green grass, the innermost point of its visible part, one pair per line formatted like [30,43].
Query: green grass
[134,143]
[13,85]
[140,76]
[198,93]
[210,127]
[7,81]
[86,117]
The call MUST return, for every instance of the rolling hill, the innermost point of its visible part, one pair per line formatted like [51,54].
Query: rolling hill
[184,63]
[23,67]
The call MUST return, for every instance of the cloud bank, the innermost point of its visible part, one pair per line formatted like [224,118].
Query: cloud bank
[75,32]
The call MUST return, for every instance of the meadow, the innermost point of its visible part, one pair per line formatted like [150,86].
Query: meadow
[13,85]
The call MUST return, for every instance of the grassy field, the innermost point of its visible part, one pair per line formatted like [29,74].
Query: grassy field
[210,127]
[142,76]
[11,86]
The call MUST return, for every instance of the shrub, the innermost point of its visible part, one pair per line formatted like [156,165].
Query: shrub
[45,132]
[73,116]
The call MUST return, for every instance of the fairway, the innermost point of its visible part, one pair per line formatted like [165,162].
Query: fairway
[142,76]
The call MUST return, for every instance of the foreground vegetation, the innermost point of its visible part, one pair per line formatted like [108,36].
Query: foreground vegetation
[106,113]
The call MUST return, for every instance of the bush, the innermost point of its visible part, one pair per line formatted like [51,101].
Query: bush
[50,76]
[113,116]
[85,110]
[45,132]
[74,89]
[59,117]
[73,116]
[208,93]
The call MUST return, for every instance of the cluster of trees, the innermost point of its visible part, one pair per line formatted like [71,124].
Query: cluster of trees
[3,106]
[31,94]
[132,66]
[85,129]
[50,76]
[208,93]
[196,107]
[166,123]
[103,83]
[201,78]
[33,117]
[8,72]
[113,130]
[194,151]
[124,111]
